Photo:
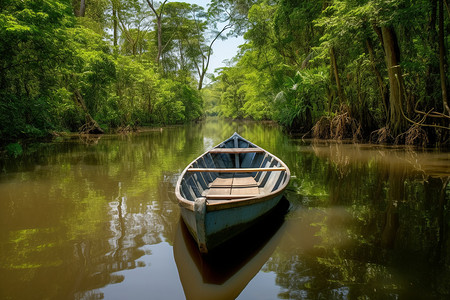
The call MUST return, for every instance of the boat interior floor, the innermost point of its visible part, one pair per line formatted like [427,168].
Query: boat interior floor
[233,186]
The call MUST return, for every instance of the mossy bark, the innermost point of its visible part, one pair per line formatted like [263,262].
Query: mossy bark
[396,122]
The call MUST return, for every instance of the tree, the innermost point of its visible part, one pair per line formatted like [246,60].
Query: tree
[158,11]
[135,27]
[397,122]
[182,36]
[29,69]
[79,7]
[442,60]
[230,13]
[115,18]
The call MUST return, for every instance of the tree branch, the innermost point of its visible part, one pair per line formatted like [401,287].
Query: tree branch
[420,123]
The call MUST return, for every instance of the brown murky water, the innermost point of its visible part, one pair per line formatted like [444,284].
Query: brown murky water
[98,219]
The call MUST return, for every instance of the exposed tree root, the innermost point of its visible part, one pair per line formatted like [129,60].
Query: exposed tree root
[414,136]
[345,127]
[321,130]
[381,136]
[90,127]
[341,126]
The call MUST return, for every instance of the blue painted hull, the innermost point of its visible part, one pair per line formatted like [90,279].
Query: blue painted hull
[221,226]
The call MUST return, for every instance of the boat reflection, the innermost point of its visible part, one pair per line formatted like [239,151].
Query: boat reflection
[225,272]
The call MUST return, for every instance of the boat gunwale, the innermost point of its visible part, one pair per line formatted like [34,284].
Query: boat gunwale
[227,204]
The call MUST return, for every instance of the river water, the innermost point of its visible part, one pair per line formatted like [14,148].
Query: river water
[97,218]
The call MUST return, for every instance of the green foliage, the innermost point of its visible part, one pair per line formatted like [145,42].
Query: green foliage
[63,71]
[302,98]
[14,149]
[33,46]
[192,101]
[329,58]
[232,97]
[302,60]
[183,37]
[231,12]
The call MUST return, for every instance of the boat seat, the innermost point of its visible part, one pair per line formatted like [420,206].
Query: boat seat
[237,170]
[235,187]
[236,150]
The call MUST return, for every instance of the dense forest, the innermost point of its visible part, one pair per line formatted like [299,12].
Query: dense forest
[95,65]
[368,70]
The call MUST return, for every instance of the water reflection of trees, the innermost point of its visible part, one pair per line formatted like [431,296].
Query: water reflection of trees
[143,212]
[89,209]
[369,223]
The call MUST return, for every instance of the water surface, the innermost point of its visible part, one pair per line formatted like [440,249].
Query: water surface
[98,218]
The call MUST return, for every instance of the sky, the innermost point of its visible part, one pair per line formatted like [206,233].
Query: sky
[222,50]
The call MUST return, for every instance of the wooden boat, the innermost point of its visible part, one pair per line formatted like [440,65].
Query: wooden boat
[227,189]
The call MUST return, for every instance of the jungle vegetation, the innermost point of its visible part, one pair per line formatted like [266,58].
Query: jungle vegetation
[97,65]
[367,70]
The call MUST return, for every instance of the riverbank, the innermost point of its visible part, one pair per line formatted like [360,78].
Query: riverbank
[323,133]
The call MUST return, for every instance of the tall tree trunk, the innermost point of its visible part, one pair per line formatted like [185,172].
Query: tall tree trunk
[79,11]
[381,86]
[115,24]
[442,66]
[202,67]
[396,122]
[336,75]
[200,81]
[432,67]
[82,8]
[158,15]
[159,33]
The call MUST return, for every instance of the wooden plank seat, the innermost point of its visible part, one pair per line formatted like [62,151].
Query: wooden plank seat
[236,170]
[236,150]
[218,197]
[232,188]
[220,186]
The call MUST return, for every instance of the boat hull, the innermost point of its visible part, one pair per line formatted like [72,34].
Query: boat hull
[220,226]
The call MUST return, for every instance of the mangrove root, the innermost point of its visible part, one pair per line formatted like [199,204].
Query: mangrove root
[341,126]
[414,136]
[91,127]
[321,130]
[381,136]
